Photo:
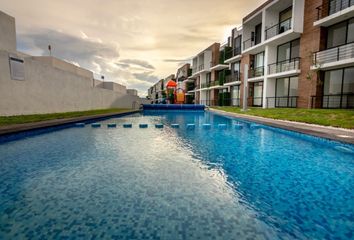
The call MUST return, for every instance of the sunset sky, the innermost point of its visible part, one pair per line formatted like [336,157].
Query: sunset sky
[134,43]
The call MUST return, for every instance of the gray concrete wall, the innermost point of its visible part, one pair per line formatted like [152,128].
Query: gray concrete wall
[7,32]
[50,89]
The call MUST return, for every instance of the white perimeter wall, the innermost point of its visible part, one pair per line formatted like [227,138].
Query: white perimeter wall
[49,90]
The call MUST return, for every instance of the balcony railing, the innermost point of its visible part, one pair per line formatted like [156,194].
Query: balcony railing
[248,43]
[333,7]
[284,66]
[232,78]
[233,52]
[256,72]
[282,102]
[278,28]
[334,54]
[201,67]
[255,101]
[194,70]
[345,100]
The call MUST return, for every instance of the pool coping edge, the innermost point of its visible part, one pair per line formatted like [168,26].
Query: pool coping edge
[18,128]
[310,129]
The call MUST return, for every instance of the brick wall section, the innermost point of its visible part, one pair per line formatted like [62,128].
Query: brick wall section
[310,42]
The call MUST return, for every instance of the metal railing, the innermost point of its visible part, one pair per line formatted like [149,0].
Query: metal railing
[232,78]
[284,66]
[194,70]
[278,28]
[256,72]
[201,67]
[248,43]
[255,101]
[233,52]
[334,54]
[333,7]
[209,102]
[235,102]
[282,102]
[345,100]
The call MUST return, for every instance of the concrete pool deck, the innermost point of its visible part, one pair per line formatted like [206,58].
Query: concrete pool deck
[9,129]
[332,133]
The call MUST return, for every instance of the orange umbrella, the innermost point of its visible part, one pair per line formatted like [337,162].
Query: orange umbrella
[171,84]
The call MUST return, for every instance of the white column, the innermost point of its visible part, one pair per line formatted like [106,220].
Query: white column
[265,83]
[245,88]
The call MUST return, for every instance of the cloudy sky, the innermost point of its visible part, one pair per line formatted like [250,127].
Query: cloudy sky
[132,42]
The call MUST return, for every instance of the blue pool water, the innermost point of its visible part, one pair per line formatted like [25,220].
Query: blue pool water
[175,183]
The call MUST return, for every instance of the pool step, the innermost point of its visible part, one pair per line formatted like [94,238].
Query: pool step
[96,125]
[206,126]
[222,126]
[81,125]
[158,125]
[143,125]
[190,126]
[175,125]
[127,125]
[238,126]
[111,125]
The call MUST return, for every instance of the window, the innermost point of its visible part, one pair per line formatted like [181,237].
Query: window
[258,34]
[259,60]
[257,94]
[340,34]
[338,89]
[285,19]
[235,95]
[286,92]
[237,45]
[17,68]
[288,50]
[235,67]
[350,37]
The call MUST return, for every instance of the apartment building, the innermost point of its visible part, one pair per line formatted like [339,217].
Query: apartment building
[157,93]
[185,83]
[204,74]
[287,53]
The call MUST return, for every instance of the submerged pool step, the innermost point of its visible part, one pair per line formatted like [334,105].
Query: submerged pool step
[222,126]
[206,126]
[143,125]
[81,125]
[96,125]
[175,125]
[158,125]
[111,125]
[127,125]
[238,126]
[190,126]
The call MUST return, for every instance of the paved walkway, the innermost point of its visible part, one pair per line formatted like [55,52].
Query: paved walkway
[338,134]
[55,122]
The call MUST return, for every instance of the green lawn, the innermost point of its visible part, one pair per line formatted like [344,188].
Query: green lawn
[43,117]
[326,117]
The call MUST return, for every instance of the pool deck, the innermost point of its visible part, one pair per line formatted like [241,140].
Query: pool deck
[56,122]
[338,134]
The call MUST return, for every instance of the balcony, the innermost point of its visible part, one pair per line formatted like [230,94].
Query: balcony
[232,80]
[345,101]
[334,12]
[282,102]
[249,43]
[340,56]
[233,55]
[284,68]
[278,28]
[256,72]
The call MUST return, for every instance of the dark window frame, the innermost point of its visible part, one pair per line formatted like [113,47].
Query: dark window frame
[346,33]
[291,48]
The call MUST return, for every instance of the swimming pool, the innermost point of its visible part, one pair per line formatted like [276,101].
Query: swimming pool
[248,181]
